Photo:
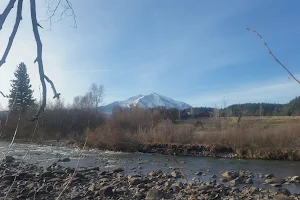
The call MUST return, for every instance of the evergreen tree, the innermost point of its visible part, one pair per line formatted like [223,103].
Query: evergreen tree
[21,94]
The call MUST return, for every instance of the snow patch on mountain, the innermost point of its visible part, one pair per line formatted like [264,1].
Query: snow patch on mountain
[147,101]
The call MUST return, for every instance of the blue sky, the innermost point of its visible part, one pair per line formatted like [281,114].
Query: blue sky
[198,52]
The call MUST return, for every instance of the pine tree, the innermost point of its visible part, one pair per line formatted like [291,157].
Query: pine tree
[21,94]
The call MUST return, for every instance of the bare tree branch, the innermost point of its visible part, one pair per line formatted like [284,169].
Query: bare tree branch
[13,33]
[39,58]
[6,11]
[52,12]
[3,94]
[56,95]
[70,7]
[270,52]
[66,6]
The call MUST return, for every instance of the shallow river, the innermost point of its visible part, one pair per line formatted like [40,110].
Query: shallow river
[144,163]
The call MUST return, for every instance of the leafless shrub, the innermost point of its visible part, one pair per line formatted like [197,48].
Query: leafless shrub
[217,118]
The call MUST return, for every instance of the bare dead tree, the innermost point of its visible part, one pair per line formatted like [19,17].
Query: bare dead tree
[67,11]
[240,114]
[97,94]
[272,54]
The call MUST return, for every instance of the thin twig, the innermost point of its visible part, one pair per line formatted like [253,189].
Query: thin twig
[271,53]
[10,109]
[13,33]
[6,11]
[13,139]
[184,176]
[66,7]
[72,14]
[15,178]
[176,161]
[76,167]
[53,13]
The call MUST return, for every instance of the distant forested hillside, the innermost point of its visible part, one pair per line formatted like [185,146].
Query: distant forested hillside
[258,109]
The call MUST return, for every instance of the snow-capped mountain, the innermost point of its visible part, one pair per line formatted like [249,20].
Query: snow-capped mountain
[146,101]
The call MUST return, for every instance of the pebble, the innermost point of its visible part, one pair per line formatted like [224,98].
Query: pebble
[91,183]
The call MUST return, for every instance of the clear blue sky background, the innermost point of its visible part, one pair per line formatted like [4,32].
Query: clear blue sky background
[198,52]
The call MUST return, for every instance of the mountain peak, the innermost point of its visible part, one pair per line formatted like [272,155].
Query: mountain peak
[147,101]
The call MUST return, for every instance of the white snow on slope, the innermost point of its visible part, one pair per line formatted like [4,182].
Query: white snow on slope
[147,101]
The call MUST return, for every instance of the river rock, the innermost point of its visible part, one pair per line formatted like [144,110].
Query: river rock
[154,194]
[155,173]
[8,178]
[230,175]
[49,188]
[22,175]
[54,180]
[269,176]
[253,190]
[276,185]
[9,159]
[92,187]
[283,191]
[134,180]
[274,180]
[75,195]
[282,197]
[118,169]
[176,174]
[236,181]
[224,180]
[42,190]
[64,160]
[249,181]
[198,173]
[175,187]
[106,191]
[295,179]
[46,174]
[79,175]
[139,195]
[168,184]
[30,186]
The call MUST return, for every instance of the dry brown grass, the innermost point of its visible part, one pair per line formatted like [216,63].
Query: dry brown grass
[254,138]
[132,130]
[115,138]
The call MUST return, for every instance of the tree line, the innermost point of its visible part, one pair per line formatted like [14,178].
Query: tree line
[58,120]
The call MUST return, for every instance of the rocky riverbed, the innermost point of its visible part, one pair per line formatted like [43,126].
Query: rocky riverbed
[219,151]
[28,181]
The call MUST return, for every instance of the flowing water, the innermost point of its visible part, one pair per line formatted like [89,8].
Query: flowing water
[143,163]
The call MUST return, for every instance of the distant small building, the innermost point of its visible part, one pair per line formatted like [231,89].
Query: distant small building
[203,114]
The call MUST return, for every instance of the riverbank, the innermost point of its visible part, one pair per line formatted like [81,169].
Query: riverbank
[34,182]
[139,131]
[219,151]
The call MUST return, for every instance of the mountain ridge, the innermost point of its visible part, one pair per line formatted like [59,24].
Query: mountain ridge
[146,101]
